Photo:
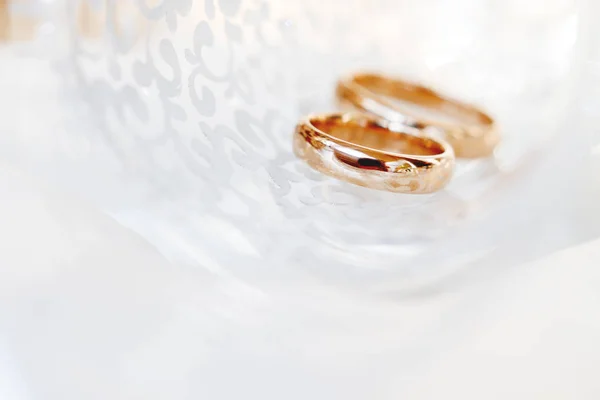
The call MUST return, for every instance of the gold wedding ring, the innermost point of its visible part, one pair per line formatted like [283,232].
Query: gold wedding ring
[374,153]
[471,132]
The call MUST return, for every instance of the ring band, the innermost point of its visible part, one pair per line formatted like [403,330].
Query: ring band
[374,153]
[471,132]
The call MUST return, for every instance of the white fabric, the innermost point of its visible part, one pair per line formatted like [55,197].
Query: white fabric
[89,310]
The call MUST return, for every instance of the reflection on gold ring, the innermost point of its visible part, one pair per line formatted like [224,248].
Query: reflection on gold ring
[374,153]
[471,132]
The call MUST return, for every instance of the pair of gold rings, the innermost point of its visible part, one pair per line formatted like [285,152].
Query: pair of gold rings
[403,138]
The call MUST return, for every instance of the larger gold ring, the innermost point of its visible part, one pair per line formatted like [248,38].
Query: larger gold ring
[471,132]
[374,153]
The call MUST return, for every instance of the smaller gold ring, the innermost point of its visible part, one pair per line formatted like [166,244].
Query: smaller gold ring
[374,153]
[471,132]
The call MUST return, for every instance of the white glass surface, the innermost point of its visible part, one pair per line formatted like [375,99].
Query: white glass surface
[177,116]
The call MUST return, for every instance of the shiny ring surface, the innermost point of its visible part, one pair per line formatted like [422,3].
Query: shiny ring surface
[471,132]
[374,153]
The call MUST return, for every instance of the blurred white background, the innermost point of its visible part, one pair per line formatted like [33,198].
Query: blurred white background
[129,271]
